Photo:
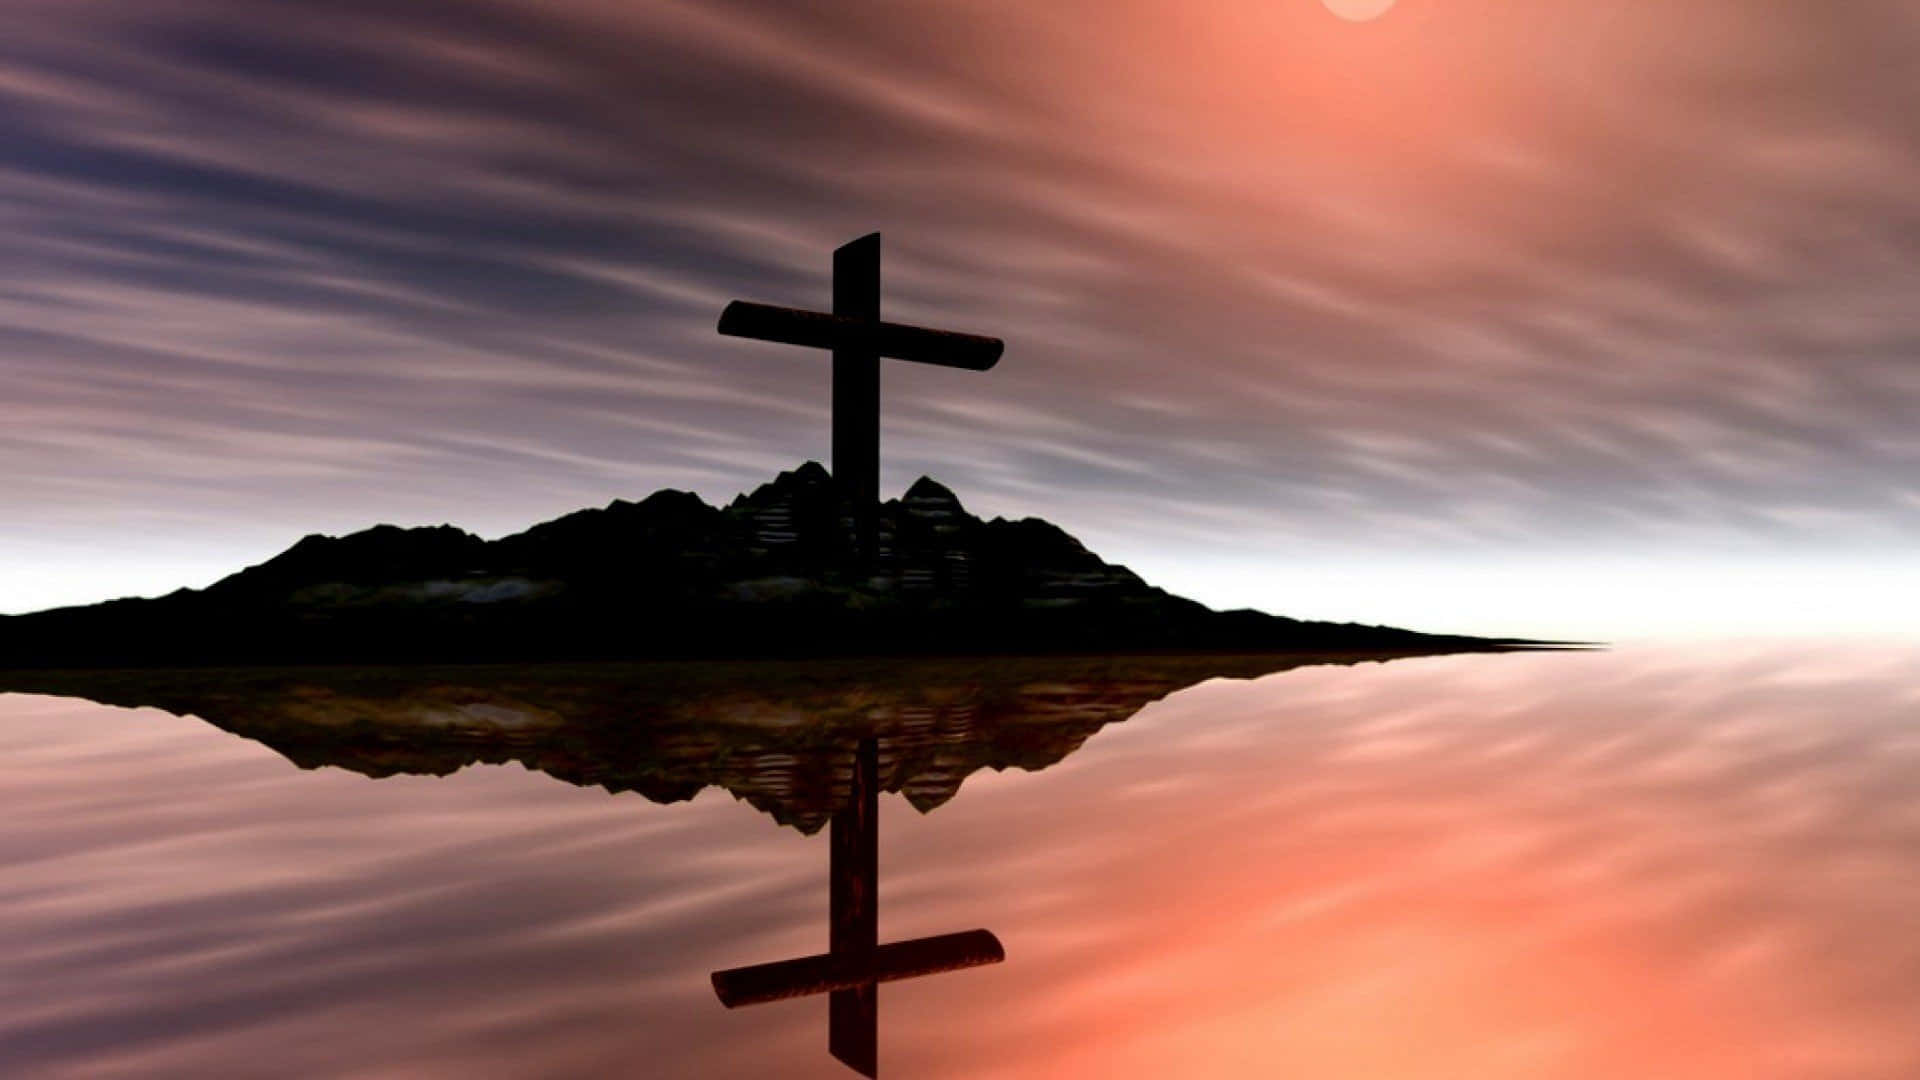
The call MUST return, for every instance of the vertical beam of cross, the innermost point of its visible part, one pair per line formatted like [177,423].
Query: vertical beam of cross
[853,910]
[856,387]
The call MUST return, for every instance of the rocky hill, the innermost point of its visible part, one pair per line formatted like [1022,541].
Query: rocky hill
[771,574]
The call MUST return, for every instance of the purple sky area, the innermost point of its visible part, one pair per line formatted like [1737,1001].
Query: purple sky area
[1555,317]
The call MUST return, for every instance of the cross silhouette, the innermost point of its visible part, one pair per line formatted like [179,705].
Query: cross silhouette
[856,963]
[858,339]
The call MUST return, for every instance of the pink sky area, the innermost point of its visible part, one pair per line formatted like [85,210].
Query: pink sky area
[1555,318]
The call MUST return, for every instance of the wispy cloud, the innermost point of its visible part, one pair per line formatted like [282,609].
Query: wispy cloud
[1579,277]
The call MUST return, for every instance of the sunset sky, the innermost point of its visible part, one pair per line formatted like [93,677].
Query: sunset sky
[1554,317]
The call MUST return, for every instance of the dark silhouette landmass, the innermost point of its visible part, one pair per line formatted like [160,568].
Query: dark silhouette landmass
[776,573]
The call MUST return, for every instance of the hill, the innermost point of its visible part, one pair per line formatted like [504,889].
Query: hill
[769,575]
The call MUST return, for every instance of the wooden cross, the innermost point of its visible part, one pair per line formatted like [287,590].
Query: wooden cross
[858,340]
[856,963]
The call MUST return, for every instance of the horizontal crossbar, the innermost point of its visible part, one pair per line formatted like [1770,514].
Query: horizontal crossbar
[818,330]
[843,971]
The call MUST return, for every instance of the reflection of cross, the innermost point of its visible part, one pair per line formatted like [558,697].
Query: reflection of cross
[858,339]
[856,963]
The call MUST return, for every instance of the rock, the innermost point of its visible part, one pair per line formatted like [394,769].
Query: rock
[771,574]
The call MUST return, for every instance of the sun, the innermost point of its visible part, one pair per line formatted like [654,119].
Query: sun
[1358,10]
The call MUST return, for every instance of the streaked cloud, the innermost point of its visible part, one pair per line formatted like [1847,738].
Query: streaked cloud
[1632,277]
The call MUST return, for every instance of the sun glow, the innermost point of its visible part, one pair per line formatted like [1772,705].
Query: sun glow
[1359,10]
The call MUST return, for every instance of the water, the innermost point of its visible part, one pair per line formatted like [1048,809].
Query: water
[1678,862]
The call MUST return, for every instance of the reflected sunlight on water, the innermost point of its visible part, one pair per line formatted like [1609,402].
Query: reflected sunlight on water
[1656,862]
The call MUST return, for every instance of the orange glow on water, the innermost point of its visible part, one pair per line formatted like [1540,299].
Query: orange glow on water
[1687,864]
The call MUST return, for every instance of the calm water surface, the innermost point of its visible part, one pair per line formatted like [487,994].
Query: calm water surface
[1673,862]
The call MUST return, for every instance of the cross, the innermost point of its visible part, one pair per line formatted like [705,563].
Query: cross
[856,963]
[858,339]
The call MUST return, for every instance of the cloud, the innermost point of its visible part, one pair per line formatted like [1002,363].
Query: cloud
[1578,277]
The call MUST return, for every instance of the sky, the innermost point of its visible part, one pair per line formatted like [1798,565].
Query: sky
[1553,318]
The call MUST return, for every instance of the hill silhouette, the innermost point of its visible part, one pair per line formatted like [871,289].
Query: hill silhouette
[771,574]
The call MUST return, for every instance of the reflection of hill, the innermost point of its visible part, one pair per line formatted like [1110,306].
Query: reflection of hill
[779,735]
